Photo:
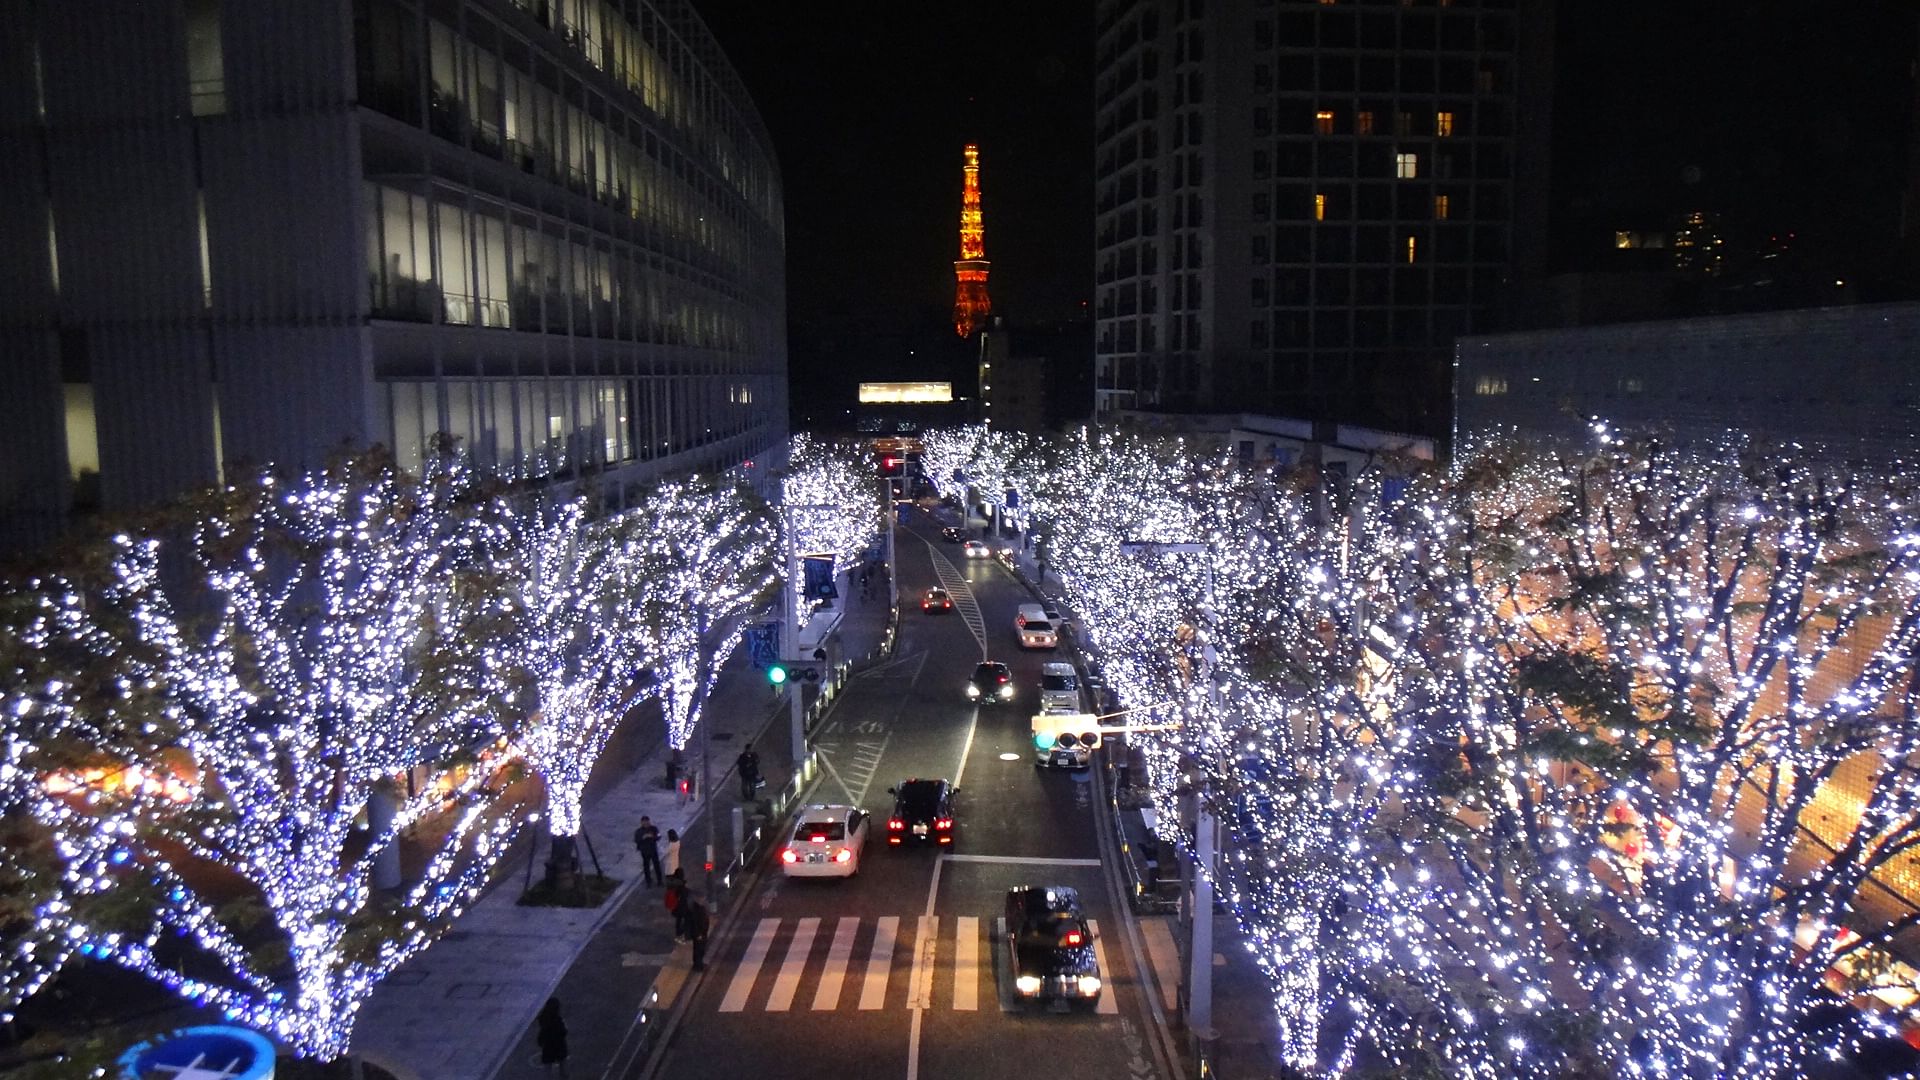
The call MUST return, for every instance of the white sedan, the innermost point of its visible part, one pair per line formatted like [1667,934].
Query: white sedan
[977,550]
[827,841]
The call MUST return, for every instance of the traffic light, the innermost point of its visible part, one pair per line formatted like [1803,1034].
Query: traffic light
[891,464]
[776,673]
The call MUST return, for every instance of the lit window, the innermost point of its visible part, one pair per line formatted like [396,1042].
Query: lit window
[1489,385]
[1406,166]
[1323,122]
[1412,245]
[1363,123]
[1623,240]
[1443,124]
[1442,207]
[1319,207]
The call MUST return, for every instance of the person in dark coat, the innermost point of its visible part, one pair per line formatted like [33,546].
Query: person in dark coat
[646,839]
[697,925]
[550,1034]
[749,765]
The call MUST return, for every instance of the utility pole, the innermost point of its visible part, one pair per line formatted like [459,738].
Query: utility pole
[892,510]
[790,645]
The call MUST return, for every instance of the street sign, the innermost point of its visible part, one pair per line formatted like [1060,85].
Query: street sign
[763,643]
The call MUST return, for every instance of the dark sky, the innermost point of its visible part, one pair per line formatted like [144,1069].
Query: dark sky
[870,105]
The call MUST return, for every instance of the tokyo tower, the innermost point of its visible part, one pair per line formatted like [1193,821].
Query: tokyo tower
[970,302]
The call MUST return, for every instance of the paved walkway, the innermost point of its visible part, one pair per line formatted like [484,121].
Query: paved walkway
[464,1008]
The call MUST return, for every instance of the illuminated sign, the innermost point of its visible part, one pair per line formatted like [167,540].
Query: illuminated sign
[909,393]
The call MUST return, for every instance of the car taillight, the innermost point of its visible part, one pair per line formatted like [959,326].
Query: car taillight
[943,823]
[787,856]
[844,855]
[895,824]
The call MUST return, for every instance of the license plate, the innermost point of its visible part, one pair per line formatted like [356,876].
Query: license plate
[919,830]
[816,857]
[1066,759]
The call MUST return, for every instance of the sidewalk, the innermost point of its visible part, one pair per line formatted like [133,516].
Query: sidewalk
[464,1008]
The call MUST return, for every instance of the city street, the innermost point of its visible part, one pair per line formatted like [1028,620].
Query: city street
[906,956]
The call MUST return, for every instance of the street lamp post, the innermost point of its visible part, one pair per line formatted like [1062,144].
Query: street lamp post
[1199,870]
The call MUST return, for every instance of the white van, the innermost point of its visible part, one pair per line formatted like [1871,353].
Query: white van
[1059,688]
[1027,613]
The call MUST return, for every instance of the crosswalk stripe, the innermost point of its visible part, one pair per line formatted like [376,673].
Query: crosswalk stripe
[920,982]
[827,996]
[787,983]
[1106,1005]
[741,988]
[966,963]
[873,990]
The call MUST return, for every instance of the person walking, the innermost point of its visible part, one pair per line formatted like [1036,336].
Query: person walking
[550,1035]
[677,901]
[748,763]
[646,840]
[673,853]
[697,925]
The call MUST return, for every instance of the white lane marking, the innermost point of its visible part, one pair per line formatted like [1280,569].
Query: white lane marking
[972,722]
[966,963]
[873,989]
[741,988]
[1107,1005]
[1019,860]
[920,982]
[828,994]
[787,983]
[927,923]
[957,586]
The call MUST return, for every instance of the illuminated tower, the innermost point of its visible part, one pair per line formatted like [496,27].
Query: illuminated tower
[970,302]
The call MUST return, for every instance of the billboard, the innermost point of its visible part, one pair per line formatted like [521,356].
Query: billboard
[905,393]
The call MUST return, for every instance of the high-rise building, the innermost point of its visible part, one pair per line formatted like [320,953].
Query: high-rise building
[253,232]
[1301,203]
[971,304]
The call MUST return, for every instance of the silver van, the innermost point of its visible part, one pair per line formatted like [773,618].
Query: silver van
[1059,688]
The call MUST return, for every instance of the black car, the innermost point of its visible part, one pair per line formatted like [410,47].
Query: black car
[922,812]
[991,684]
[953,535]
[1050,946]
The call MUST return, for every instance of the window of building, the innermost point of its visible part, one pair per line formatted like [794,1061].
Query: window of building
[1490,385]
[1363,122]
[1323,122]
[1442,207]
[206,63]
[1406,166]
[1443,124]
[1319,206]
[1403,123]
[1413,245]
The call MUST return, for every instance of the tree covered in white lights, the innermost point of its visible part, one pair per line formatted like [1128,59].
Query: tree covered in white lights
[830,502]
[693,560]
[315,673]
[83,738]
[1678,696]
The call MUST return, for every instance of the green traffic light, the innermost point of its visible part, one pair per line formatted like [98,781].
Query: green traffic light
[776,674]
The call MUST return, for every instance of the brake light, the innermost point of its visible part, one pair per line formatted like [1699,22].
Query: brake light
[943,823]
[1074,937]
[844,855]
[818,838]
[787,856]
[895,824]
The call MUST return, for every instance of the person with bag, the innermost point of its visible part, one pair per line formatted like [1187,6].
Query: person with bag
[646,840]
[697,926]
[748,763]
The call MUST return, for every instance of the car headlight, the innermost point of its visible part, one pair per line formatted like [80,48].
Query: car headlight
[1089,985]
[1027,984]
[972,690]
[1006,691]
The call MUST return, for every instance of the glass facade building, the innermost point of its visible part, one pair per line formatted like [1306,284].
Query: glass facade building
[551,228]
[1301,203]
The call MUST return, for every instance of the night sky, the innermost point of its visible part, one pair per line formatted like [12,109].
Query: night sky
[1777,114]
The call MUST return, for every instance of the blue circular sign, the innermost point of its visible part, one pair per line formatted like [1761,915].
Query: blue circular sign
[213,1052]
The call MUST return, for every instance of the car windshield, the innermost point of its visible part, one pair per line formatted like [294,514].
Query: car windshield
[988,673]
[1058,682]
[822,831]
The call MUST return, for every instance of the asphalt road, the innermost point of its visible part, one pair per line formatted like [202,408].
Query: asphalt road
[898,973]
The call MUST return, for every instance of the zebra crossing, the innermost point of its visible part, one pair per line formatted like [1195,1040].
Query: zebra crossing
[947,961]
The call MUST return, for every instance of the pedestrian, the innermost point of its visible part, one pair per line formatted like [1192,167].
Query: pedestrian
[697,924]
[646,840]
[678,901]
[550,1034]
[673,853]
[749,765]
